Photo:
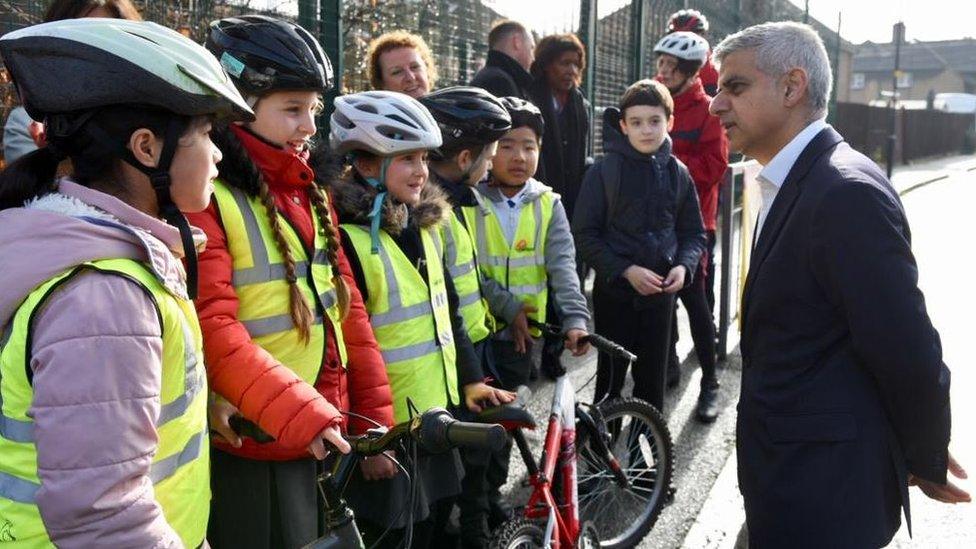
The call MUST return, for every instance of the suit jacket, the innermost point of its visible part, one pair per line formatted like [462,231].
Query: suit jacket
[844,392]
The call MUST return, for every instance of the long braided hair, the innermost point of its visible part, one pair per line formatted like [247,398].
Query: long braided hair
[250,180]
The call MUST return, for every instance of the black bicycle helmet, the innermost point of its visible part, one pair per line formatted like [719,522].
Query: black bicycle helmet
[524,113]
[467,117]
[263,54]
[688,20]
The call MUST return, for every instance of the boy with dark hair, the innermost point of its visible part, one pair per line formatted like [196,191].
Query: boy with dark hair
[638,225]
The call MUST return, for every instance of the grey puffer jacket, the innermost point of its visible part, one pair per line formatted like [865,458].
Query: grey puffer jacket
[96,356]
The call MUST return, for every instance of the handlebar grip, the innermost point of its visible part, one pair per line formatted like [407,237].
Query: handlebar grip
[476,435]
[247,428]
[609,347]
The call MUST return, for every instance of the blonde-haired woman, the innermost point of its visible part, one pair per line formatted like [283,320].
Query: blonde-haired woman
[401,62]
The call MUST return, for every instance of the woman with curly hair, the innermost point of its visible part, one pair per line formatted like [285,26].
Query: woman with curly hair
[401,62]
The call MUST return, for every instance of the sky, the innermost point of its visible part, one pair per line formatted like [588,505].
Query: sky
[925,20]
[861,20]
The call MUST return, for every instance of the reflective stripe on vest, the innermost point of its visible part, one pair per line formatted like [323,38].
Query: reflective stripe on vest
[520,267]
[180,469]
[260,283]
[460,260]
[410,319]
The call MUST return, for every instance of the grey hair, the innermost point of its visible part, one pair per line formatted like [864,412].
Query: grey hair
[781,47]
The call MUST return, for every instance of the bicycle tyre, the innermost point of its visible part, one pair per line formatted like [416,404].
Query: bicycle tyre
[517,534]
[640,505]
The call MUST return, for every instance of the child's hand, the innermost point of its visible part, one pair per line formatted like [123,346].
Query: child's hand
[378,467]
[573,343]
[520,329]
[333,436]
[220,411]
[479,392]
[644,281]
[675,280]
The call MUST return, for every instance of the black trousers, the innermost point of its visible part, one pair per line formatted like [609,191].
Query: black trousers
[695,300]
[710,275]
[427,534]
[646,332]
[263,504]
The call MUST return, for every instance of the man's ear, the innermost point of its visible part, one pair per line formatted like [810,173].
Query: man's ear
[145,147]
[795,84]
[367,167]
[623,124]
[670,122]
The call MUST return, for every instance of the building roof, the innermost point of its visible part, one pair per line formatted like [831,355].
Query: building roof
[957,55]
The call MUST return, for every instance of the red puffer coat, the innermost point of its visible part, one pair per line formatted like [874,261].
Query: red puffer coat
[700,143]
[239,370]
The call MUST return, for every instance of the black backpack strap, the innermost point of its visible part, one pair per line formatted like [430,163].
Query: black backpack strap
[610,174]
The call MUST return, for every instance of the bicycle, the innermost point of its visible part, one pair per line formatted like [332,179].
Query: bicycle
[625,458]
[434,431]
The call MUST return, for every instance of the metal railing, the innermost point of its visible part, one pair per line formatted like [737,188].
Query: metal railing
[739,201]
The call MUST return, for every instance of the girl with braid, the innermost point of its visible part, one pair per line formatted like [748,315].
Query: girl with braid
[287,341]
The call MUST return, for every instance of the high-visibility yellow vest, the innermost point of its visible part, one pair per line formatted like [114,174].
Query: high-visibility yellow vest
[180,470]
[263,291]
[411,320]
[459,256]
[519,266]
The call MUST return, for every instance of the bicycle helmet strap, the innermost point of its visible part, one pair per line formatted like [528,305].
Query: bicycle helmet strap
[160,179]
[375,214]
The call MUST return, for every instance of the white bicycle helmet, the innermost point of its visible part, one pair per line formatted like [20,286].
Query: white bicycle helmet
[383,123]
[684,45]
[75,65]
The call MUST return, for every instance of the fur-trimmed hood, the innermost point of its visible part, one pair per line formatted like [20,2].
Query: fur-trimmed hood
[354,199]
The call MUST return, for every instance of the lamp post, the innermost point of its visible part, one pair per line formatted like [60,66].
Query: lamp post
[898,34]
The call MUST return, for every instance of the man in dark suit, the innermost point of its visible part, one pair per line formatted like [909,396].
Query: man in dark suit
[845,399]
[511,51]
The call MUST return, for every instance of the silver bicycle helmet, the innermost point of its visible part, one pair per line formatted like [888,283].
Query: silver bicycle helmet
[684,45]
[383,123]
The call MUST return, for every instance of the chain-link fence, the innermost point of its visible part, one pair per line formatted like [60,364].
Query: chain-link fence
[619,34]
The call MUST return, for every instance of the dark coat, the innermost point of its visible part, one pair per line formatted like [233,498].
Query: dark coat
[655,222]
[844,392]
[502,76]
[562,161]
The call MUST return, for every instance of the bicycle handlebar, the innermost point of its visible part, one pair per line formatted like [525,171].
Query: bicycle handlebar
[435,430]
[601,343]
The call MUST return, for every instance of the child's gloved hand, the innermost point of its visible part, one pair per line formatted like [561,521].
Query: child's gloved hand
[379,467]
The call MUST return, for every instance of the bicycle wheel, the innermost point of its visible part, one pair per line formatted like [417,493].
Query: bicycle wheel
[517,534]
[638,437]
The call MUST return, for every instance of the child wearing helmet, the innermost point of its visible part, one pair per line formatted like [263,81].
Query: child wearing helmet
[690,20]
[524,243]
[286,338]
[471,121]
[104,433]
[700,143]
[393,232]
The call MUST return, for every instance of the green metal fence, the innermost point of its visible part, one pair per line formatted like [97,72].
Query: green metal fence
[619,34]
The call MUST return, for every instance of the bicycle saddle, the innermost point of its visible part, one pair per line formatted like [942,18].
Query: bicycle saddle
[513,415]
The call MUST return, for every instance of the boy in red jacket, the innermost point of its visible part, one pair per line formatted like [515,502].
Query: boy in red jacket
[700,144]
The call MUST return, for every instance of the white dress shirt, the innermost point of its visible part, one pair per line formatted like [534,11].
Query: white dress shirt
[773,175]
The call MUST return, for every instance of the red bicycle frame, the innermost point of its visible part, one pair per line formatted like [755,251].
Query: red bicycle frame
[558,457]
